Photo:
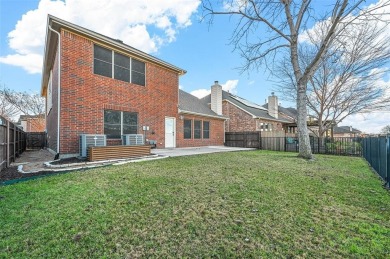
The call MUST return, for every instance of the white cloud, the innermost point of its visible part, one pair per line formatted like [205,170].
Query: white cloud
[200,93]
[32,63]
[146,25]
[368,122]
[229,86]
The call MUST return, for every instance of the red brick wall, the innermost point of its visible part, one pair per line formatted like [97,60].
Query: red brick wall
[217,133]
[35,125]
[84,95]
[238,119]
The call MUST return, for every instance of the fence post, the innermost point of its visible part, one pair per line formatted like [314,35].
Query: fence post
[260,141]
[15,133]
[7,143]
[387,178]
[285,143]
[319,143]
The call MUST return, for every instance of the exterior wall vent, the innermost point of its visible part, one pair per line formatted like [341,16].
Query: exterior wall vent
[133,139]
[88,140]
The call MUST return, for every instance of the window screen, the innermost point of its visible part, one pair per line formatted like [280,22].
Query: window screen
[197,129]
[206,129]
[121,67]
[137,72]
[187,129]
[112,124]
[130,122]
[102,63]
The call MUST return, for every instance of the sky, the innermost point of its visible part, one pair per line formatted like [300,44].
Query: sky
[170,30]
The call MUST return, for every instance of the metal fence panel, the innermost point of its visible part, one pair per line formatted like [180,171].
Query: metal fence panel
[376,151]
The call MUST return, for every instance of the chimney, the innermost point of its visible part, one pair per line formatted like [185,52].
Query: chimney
[273,105]
[350,128]
[216,98]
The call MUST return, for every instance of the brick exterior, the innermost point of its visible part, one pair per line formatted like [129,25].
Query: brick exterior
[85,96]
[34,124]
[217,133]
[240,120]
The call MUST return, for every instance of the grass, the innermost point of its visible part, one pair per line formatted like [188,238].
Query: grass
[241,204]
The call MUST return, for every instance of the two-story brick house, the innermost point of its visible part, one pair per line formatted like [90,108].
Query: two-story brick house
[94,84]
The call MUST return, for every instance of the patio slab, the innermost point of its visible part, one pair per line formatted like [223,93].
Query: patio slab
[189,151]
[38,160]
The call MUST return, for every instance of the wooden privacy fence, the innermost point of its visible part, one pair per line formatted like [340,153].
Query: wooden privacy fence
[376,150]
[279,141]
[12,142]
[36,140]
[242,139]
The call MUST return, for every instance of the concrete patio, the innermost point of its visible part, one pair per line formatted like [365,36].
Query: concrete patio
[38,160]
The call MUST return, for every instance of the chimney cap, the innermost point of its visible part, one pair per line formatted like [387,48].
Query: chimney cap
[273,93]
[216,82]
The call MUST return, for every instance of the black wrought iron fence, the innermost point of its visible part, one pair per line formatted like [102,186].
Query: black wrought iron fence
[332,146]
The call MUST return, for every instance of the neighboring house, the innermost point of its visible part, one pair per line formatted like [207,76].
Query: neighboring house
[94,84]
[32,123]
[292,114]
[244,115]
[345,132]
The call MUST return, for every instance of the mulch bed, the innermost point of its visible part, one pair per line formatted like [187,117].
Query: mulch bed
[12,173]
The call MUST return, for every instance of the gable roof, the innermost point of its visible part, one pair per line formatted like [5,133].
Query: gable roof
[247,106]
[51,43]
[192,105]
[345,129]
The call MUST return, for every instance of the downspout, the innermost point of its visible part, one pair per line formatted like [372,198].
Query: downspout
[59,91]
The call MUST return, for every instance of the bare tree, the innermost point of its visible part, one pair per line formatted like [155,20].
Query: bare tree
[348,80]
[267,28]
[386,130]
[27,104]
[7,110]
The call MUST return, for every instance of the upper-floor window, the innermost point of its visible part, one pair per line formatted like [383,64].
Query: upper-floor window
[115,65]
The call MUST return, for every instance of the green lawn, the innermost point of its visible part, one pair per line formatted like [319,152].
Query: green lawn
[240,204]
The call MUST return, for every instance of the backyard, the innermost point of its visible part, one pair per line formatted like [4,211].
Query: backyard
[237,204]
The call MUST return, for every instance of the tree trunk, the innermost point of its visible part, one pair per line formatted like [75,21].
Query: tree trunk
[303,134]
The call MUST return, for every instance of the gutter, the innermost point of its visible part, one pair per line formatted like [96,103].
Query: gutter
[59,89]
